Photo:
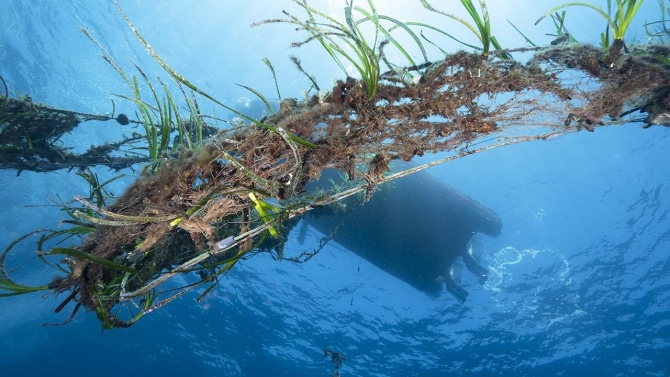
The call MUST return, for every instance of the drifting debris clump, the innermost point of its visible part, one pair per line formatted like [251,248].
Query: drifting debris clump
[30,134]
[205,208]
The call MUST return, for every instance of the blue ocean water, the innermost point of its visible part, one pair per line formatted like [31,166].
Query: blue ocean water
[579,276]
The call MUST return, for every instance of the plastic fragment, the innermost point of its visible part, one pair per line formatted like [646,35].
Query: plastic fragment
[224,243]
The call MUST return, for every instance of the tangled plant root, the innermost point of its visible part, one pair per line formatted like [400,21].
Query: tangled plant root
[216,201]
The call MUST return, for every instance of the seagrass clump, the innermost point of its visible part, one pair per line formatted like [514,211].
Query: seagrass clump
[30,136]
[204,203]
[244,179]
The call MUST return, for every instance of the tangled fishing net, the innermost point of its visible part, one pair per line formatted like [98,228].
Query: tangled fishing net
[205,207]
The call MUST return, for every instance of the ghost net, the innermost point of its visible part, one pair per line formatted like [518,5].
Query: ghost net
[207,207]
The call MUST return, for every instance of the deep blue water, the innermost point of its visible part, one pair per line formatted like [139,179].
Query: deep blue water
[580,276]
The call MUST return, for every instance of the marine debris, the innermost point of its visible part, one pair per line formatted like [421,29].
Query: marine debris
[203,206]
[336,359]
[30,134]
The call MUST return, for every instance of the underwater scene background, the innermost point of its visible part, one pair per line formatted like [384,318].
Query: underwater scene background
[579,278]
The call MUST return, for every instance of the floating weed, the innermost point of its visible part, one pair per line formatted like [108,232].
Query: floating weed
[179,78]
[618,25]
[663,31]
[264,209]
[364,57]
[260,96]
[9,287]
[274,76]
[481,29]
[91,258]
[239,189]
[390,39]
[522,34]
[154,145]
[561,30]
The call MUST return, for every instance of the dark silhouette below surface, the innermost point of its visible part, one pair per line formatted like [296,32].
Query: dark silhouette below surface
[414,228]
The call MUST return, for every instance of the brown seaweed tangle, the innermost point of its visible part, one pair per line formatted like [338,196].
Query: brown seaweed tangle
[206,209]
